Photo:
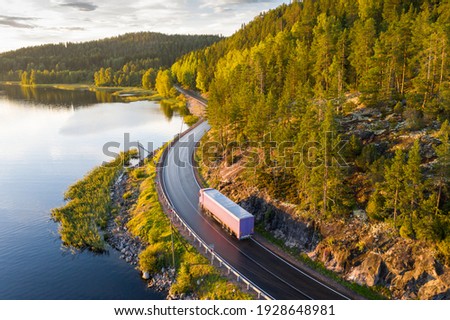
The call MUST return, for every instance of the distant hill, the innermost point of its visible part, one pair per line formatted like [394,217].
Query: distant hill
[144,49]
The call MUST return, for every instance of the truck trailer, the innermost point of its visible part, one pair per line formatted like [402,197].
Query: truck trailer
[232,216]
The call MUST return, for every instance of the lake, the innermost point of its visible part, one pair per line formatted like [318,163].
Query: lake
[49,139]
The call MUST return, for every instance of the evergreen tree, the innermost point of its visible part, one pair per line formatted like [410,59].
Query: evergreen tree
[412,193]
[393,186]
[363,37]
[323,49]
[443,165]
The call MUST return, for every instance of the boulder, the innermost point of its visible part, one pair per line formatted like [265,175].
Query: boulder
[369,272]
[282,223]
[434,290]
[146,275]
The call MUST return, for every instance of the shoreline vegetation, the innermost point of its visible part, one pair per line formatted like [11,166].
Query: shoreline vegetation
[120,207]
[84,217]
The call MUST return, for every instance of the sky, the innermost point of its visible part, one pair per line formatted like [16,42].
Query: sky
[26,23]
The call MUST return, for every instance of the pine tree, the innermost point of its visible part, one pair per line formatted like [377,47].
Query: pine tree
[391,10]
[363,37]
[323,50]
[443,165]
[430,59]
[412,193]
[393,186]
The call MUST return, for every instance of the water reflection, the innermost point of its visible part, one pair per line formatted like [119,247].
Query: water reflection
[106,97]
[166,109]
[56,98]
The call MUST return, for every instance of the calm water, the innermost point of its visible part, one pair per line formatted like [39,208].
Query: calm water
[48,140]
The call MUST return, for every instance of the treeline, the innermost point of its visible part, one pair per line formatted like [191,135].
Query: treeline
[140,51]
[283,80]
[34,77]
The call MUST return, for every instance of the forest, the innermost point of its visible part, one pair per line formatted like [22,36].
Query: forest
[371,76]
[126,57]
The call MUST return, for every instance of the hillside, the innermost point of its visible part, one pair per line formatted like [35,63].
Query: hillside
[336,117]
[137,51]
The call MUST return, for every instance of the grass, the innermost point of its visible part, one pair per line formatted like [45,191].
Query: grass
[129,94]
[196,275]
[374,293]
[88,207]
[149,222]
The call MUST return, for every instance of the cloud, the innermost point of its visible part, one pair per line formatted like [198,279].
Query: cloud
[57,21]
[220,3]
[82,6]
[66,29]
[73,28]
[16,22]
[222,6]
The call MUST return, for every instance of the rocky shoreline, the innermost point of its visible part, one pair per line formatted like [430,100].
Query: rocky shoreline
[129,246]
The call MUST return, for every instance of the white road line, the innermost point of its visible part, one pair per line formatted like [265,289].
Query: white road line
[300,271]
[227,240]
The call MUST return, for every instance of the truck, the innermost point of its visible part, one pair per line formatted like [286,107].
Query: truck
[233,217]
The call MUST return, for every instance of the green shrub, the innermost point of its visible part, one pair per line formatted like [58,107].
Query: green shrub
[152,258]
[398,109]
[139,174]
[444,250]
[190,119]
[184,281]
[375,207]
[127,195]
[413,118]
[406,230]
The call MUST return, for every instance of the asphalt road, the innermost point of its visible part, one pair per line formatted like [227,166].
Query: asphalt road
[275,276]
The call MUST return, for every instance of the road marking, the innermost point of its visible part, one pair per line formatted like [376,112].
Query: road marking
[221,235]
[299,270]
[226,239]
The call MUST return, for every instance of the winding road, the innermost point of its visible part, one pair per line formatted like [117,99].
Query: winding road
[275,276]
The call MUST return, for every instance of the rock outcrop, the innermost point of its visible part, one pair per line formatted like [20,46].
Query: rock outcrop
[371,254]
